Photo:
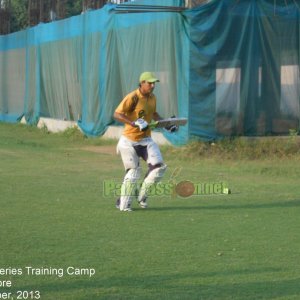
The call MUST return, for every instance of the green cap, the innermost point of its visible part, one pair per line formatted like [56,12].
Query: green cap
[149,77]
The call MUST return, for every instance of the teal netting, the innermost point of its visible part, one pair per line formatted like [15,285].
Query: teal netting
[244,68]
[81,68]
[231,67]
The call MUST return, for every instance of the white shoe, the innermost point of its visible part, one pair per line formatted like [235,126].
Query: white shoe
[127,209]
[143,204]
[118,205]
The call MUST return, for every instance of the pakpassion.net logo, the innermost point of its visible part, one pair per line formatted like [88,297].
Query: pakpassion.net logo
[183,188]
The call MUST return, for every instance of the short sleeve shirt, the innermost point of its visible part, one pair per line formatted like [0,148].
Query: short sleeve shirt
[145,107]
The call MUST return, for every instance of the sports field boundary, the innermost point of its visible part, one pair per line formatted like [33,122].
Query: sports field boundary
[113,132]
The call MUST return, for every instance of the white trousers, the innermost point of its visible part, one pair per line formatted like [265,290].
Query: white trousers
[130,158]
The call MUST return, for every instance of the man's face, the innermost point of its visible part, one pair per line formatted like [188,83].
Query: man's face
[147,87]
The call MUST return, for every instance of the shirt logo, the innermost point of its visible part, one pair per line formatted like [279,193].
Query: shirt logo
[141,114]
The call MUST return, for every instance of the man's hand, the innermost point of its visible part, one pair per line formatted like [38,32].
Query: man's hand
[172,128]
[141,123]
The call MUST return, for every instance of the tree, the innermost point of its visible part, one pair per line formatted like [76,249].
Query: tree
[19,15]
[20,12]
[73,8]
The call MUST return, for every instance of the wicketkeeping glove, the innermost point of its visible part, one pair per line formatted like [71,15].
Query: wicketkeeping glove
[172,128]
[141,123]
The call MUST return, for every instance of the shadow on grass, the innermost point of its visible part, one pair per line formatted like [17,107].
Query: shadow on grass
[178,286]
[282,204]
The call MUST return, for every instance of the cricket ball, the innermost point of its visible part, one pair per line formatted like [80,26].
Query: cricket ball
[185,188]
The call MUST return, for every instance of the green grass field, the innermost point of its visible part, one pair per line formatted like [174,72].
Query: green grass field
[53,214]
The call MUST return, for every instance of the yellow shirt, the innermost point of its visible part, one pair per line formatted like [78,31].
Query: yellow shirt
[145,108]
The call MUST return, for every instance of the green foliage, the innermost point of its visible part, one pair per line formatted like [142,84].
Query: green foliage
[242,148]
[73,8]
[19,10]
[19,19]
[73,133]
